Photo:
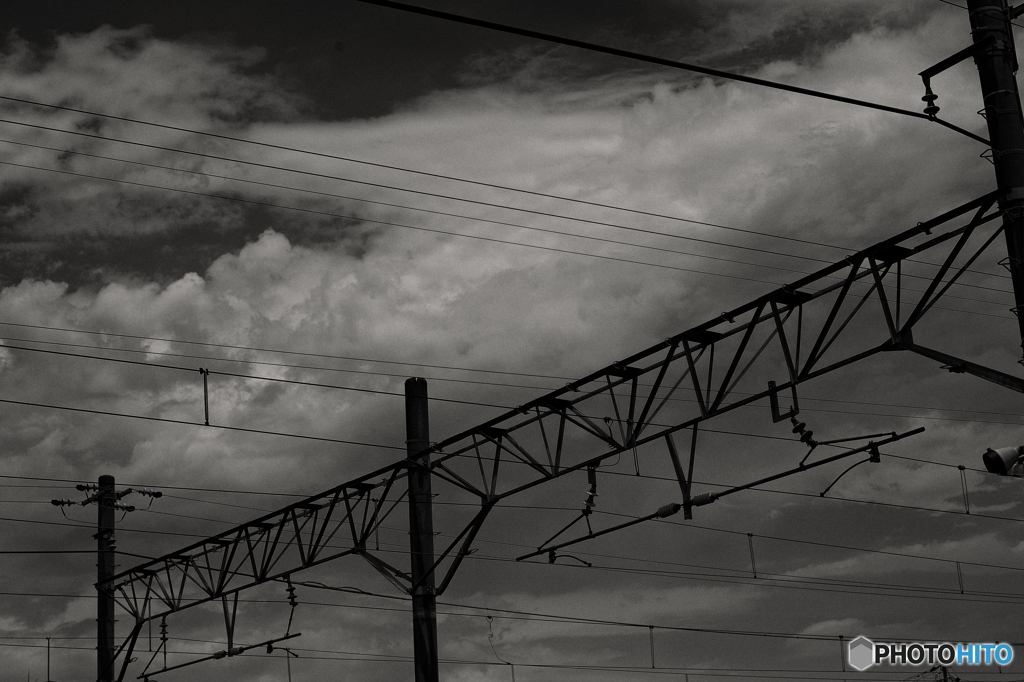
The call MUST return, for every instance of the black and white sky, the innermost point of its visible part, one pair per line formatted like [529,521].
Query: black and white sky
[347,248]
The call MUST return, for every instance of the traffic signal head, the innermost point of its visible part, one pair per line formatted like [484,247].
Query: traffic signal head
[1004,461]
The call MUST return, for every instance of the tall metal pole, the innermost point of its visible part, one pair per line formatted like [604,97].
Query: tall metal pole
[997,64]
[421,531]
[105,499]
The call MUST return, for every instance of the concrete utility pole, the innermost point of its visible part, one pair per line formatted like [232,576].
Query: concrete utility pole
[997,66]
[421,531]
[105,499]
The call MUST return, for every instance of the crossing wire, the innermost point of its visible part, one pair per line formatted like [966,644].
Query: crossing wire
[467,236]
[471,201]
[185,422]
[465,217]
[504,385]
[389,167]
[361,657]
[329,214]
[673,64]
[515,225]
[475,403]
[398,189]
[797,583]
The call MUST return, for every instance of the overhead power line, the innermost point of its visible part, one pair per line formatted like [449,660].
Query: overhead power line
[454,234]
[386,166]
[459,199]
[465,217]
[673,64]
[475,403]
[184,422]
[138,351]
[329,214]
[436,195]
[509,224]
[967,9]
[237,375]
[282,351]
[421,192]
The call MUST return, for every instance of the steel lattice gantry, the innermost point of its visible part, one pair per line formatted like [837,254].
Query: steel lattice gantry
[861,306]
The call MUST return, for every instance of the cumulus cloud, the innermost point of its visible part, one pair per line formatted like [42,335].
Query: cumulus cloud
[349,282]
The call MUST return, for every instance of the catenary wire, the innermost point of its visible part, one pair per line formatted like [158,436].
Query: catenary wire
[460,381]
[482,203]
[471,236]
[237,375]
[389,167]
[777,576]
[361,657]
[777,538]
[329,214]
[475,403]
[468,236]
[904,555]
[190,423]
[281,351]
[441,231]
[457,215]
[792,583]
[425,193]
[516,225]
[502,206]
[518,614]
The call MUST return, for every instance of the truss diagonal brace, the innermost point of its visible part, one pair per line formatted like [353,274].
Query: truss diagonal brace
[958,366]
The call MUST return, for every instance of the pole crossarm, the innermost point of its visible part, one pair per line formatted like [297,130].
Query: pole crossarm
[764,349]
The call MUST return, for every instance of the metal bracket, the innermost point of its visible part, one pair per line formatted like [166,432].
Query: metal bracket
[926,76]
[773,397]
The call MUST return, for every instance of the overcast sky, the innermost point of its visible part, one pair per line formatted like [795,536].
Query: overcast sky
[125,241]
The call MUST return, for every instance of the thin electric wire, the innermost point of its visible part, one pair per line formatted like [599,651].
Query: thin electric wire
[191,423]
[464,217]
[319,368]
[885,552]
[434,195]
[326,356]
[503,385]
[468,236]
[192,370]
[391,167]
[490,204]
[627,54]
[363,657]
[520,614]
[329,214]
[517,225]
[968,9]
[474,403]
[778,576]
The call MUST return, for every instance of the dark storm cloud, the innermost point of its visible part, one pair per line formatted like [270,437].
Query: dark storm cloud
[456,102]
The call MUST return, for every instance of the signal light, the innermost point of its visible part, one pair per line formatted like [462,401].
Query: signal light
[1005,461]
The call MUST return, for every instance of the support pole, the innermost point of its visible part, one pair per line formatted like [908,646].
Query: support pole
[105,499]
[997,63]
[421,531]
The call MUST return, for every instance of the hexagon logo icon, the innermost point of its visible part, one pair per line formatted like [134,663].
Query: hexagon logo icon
[862,653]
